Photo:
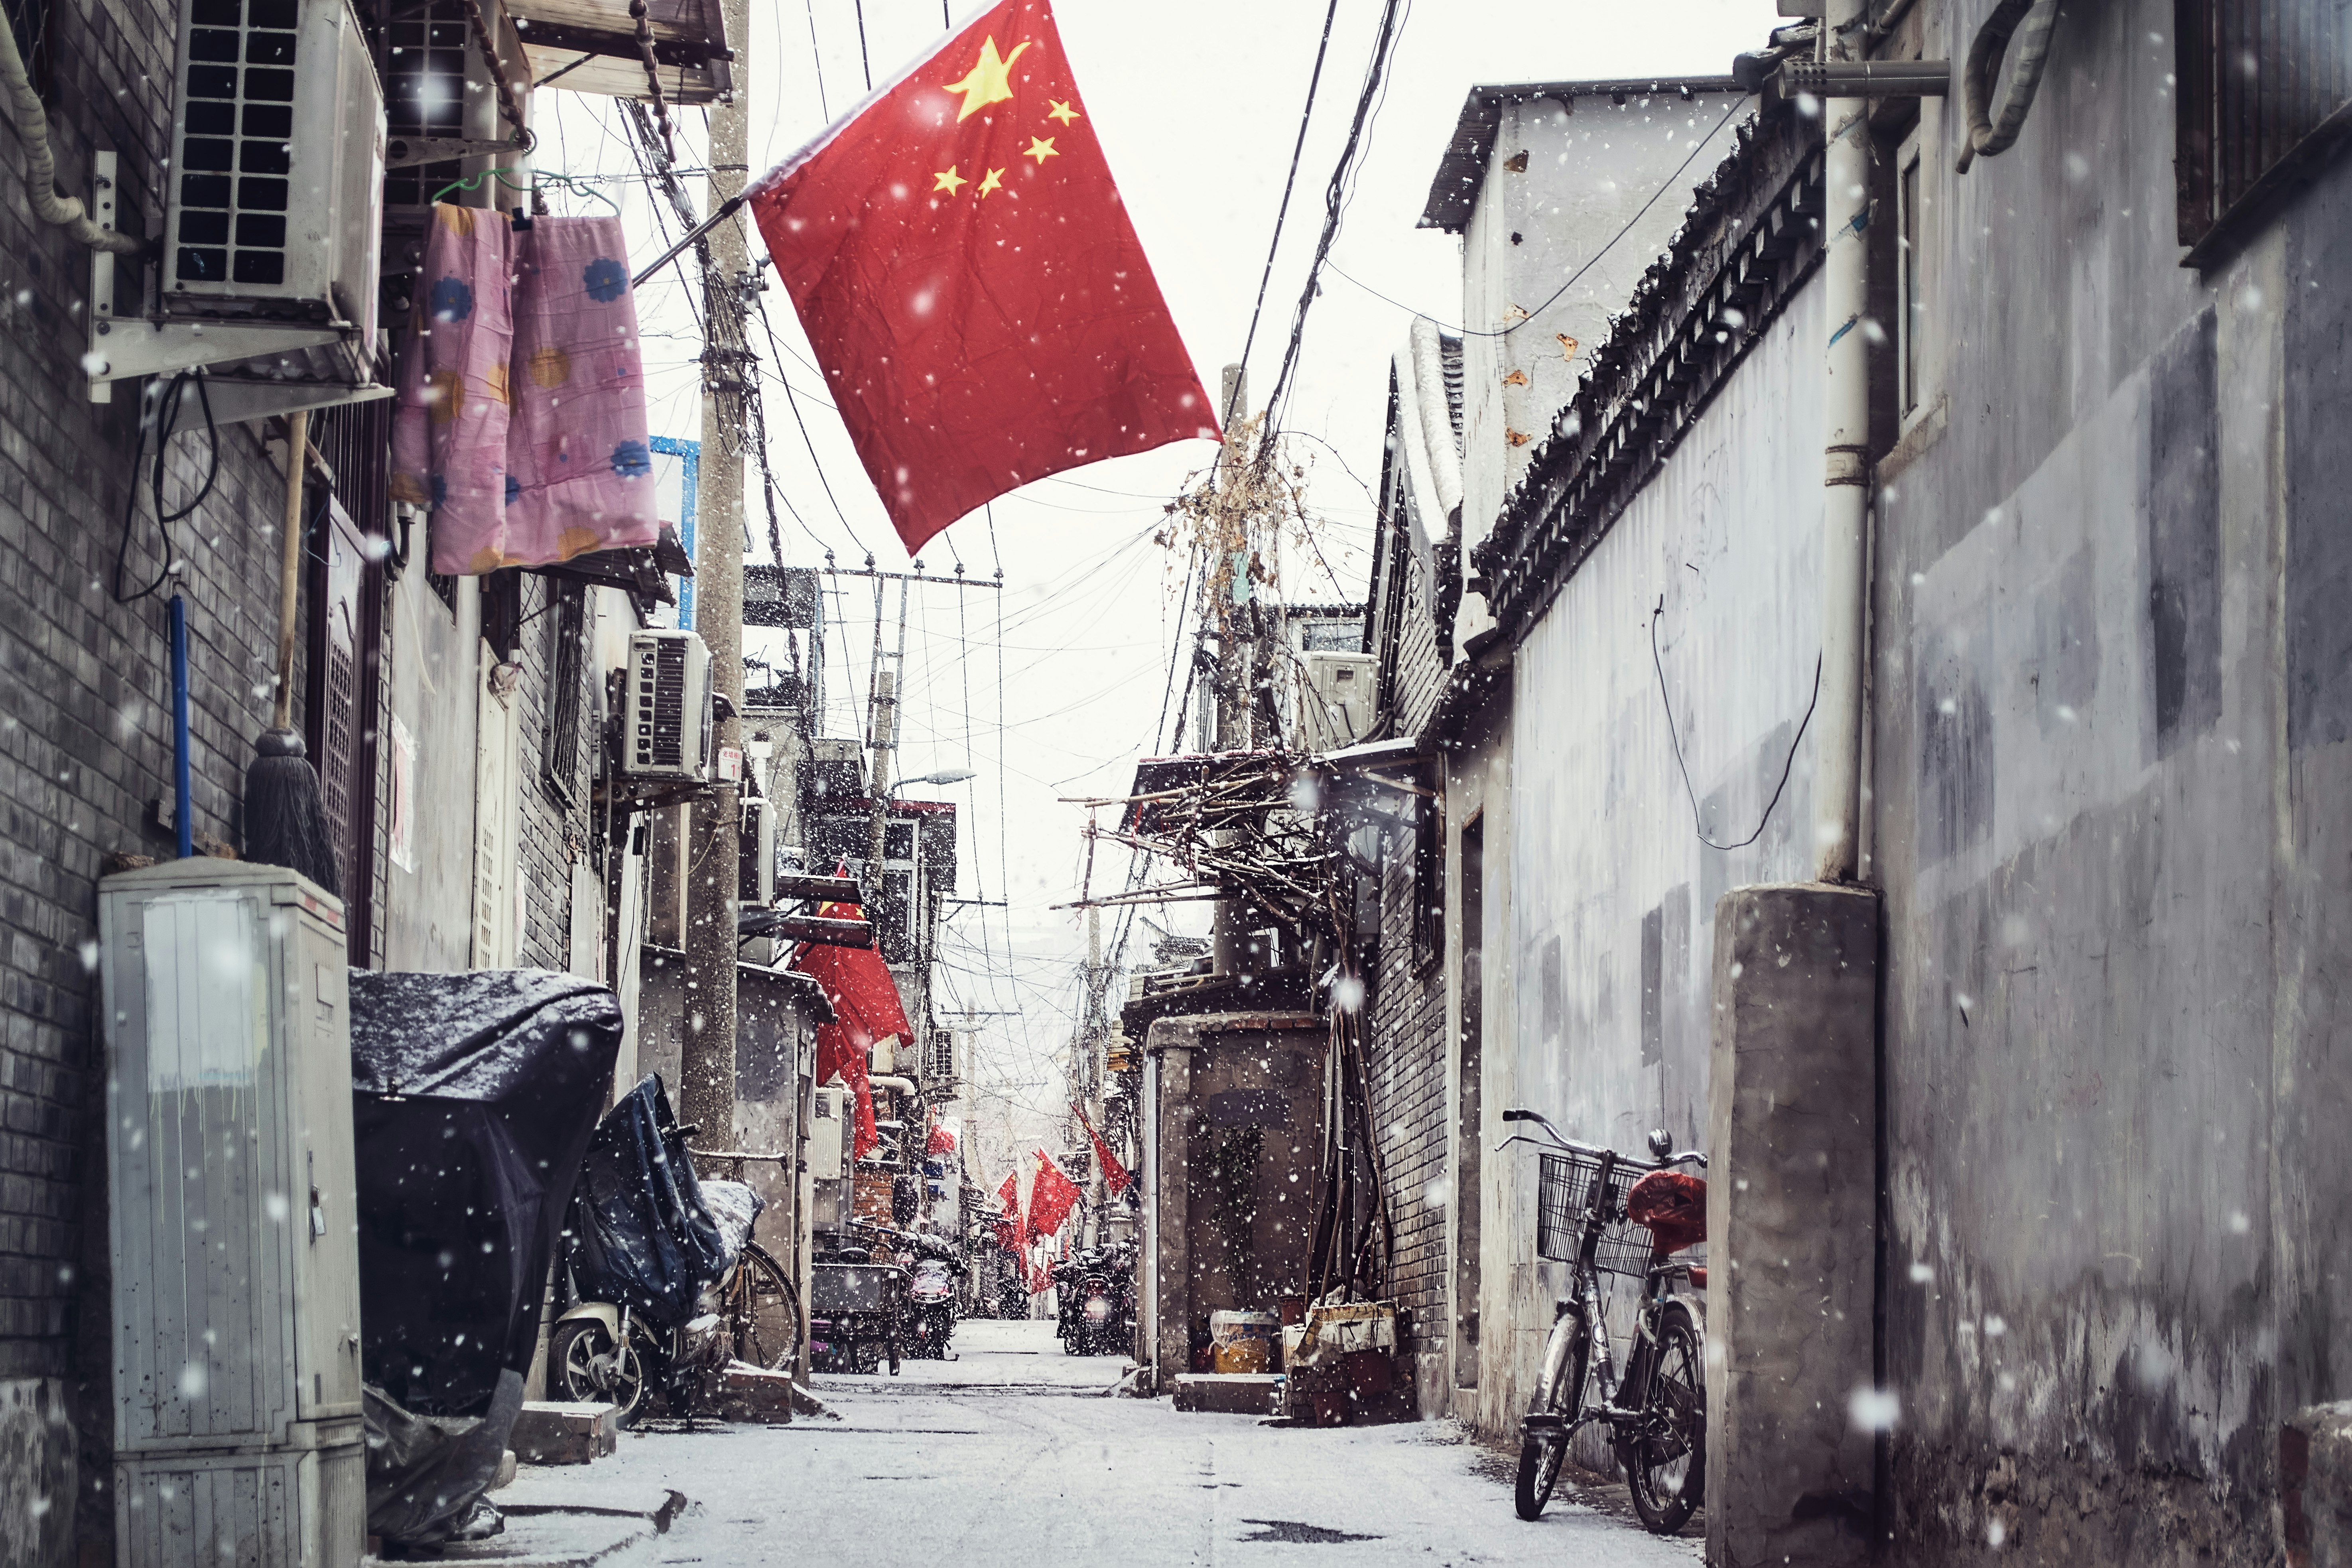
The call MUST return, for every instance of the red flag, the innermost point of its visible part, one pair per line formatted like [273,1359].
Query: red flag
[865,1009]
[1114,1174]
[942,1140]
[1010,1228]
[968,277]
[1052,1195]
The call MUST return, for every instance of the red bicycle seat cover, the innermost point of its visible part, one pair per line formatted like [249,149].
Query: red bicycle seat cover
[1673,1206]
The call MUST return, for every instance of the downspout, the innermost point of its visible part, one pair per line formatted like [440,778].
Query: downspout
[1845,498]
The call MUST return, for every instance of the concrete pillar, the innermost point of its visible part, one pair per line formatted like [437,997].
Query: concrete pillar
[1169,1202]
[1793,1228]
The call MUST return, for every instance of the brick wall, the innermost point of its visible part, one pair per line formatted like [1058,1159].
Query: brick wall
[1406,1038]
[84,722]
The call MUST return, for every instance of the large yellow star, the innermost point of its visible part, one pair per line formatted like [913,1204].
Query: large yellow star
[1040,148]
[992,181]
[990,80]
[948,181]
[1061,111]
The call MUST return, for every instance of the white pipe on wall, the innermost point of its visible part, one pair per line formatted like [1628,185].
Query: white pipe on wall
[1846,491]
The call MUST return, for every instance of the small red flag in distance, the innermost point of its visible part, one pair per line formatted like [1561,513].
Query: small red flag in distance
[1115,1175]
[966,272]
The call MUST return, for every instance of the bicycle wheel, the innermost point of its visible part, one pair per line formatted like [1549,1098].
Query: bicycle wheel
[766,1312]
[1542,1452]
[1665,1457]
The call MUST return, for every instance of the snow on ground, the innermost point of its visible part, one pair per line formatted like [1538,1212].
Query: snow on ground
[1013,1454]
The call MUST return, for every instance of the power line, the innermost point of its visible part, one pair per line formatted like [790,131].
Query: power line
[1313,81]
[1333,204]
[1590,262]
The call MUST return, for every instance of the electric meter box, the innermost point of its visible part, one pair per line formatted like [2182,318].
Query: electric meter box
[236,1295]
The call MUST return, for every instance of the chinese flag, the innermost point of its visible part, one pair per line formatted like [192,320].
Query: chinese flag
[983,312]
[865,1009]
[1009,1229]
[1114,1174]
[942,1140]
[1052,1195]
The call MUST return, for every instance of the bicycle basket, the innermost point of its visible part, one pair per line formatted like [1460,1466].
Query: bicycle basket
[1564,1194]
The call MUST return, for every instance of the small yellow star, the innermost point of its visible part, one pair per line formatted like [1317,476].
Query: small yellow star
[992,181]
[990,80]
[1040,149]
[1061,111]
[950,182]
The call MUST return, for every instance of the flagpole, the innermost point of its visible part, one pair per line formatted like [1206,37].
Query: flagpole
[719,215]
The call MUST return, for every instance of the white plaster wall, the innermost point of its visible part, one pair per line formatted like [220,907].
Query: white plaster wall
[1602,825]
[1590,164]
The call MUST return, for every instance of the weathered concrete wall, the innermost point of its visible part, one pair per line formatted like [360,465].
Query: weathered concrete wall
[1792,1228]
[2110,778]
[1612,922]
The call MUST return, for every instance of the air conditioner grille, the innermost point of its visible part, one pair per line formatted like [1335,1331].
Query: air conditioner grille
[661,691]
[237,141]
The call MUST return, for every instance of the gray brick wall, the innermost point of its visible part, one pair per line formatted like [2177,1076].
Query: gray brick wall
[1407,1038]
[85,694]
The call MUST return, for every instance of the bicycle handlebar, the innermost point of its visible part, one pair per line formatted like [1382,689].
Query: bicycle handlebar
[1557,1140]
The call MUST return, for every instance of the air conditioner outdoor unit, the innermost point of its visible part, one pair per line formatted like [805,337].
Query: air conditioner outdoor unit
[941,1061]
[272,216]
[829,1141]
[667,720]
[1335,700]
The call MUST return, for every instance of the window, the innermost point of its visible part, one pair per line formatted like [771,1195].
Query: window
[2255,78]
[1911,308]
[1429,881]
[559,757]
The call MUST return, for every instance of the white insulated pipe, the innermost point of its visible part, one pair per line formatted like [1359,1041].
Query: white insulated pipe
[1845,499]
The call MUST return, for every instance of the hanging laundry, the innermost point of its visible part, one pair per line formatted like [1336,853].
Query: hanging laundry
[521,420]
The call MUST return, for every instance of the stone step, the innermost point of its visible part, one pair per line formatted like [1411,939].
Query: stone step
[549,1432]
[1229,1392]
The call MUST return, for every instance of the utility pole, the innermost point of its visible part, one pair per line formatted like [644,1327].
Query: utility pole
[882,726]
[1224,590]
[706,1058]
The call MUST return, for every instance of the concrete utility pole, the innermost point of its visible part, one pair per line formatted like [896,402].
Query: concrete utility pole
[1097,1030]
[707,1065]
[1222,593]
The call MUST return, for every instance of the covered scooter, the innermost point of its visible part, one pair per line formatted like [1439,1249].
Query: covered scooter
[652,1267]
[473,1099]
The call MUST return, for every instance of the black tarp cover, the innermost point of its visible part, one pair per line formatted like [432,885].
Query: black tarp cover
[474,1097]
[642,1235]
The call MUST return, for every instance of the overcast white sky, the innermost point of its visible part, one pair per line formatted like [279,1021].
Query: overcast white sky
[1198,106]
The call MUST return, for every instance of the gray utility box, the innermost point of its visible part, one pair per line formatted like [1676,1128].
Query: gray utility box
[237,1302]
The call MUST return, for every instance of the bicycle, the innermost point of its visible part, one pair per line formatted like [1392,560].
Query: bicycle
[1657,1414]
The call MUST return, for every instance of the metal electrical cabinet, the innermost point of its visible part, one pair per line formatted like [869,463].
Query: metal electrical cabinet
[236,1313]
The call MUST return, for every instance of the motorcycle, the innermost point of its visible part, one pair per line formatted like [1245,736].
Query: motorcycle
[662,1281]
[930,1294]
[1095,1299]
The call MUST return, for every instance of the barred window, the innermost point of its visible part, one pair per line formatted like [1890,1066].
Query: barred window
[559,757]
[2262,97]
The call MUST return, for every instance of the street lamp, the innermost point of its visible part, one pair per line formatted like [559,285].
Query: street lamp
[945,777]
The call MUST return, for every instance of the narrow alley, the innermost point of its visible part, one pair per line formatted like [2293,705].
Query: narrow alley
[1015,1453]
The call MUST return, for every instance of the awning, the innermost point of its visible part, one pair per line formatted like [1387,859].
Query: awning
[591,46]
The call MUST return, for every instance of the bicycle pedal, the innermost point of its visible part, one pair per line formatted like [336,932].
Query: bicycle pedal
[1546,1423]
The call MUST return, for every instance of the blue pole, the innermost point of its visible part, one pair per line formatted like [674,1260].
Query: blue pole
[688,482]
[183,787]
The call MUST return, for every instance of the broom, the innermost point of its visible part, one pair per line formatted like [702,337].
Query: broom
[285,816]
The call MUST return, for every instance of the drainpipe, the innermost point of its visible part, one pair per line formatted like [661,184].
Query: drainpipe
[1845,498]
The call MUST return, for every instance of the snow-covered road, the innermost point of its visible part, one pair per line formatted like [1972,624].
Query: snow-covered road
[1001,1457]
